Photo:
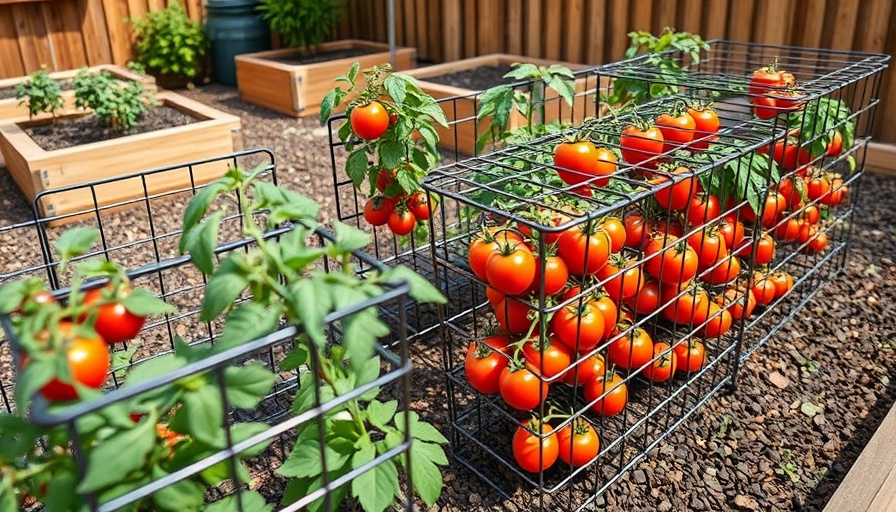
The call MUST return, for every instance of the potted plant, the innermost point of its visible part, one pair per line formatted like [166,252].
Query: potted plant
[171,46]
[120,128]
[293,81]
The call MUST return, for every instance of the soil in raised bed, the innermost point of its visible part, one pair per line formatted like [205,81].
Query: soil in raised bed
[66,133]
[298,58]
[475,79]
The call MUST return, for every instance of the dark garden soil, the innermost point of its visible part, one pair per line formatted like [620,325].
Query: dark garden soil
[70,132]
[476,79]
[756,449]
[323,56]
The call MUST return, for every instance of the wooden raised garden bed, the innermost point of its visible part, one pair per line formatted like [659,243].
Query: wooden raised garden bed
[277,79]
[460,112]
[10,109]
[35,169]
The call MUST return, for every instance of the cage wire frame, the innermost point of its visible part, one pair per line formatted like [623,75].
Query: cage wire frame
[176,282]
[849,78]
[464,128]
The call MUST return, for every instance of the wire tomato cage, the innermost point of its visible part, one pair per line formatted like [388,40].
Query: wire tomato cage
[516,191]
[254,441]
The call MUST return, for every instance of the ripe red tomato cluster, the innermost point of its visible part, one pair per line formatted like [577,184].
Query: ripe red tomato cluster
[581,162]
[537,446]
[103,320]
[398,210]
[805,195]
[773,92]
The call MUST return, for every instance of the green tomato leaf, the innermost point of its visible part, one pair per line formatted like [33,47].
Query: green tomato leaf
[75,242]
[153,368]
[380,414]
[361,332]
[142,302]
[376,488]
[422,431]
[391,153]
[17,437]
[35,375]
[296,358]
[326,106]
[396,88]
[179,496]
[118,455]
[200,242]
[424,472]
[224,286]
[356,166]
[421,289]
[248,321]
[247,385]
[312,304]
[203,415]
[305,459]
[250,501]
[60,492]
[295,251]
[200,203]
[243,431]
[348,238]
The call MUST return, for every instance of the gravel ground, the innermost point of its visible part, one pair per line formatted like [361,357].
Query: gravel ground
[753,450]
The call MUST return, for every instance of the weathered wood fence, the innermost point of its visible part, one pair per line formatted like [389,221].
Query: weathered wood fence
[65,34]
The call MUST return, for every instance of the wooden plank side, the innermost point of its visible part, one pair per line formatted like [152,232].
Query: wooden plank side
[195,10]
[119,30]
[772,21]
[665,15]
[93,29]
[489,27]
[740,16]
[137,9]
[873,18]
[806,26]
[434,29]
[514,27]
[469,24]
[870,472]
[847,12]
[596,14]
[452,34]
[715,20]
[641,17]
[11,63]
[532,41]
[617,41]
[690,16]
[553,30]
[32,37]
[573,49]
[885,117]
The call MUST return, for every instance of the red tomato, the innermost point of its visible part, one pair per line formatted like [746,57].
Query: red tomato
[690,356]
[732,231]
[555,274]
[579,443]
[775,204]
[622,276]
[483,366]
[727,270]
[707,125]
[114,323]
[709,245]
[789,188]
[579,327]
[521,388]
[664,363]
[690,308]
[531,452]
[639,144]
[610,393]
[835,146]
[819,189]
[551,358]
[544,217]
[585,370]
[401,221]
[377,210]
[678,196]
[631,351]
[513,316]
[369,121]
[782,281]
[811,214]
[635,230]
[511,269]
[609,310]
[818,244]
[770,78]
[615,229]
[718,321]
[763,289]
[788,231]
[703,209]
[738,300]
[585,251]
[585,160]
[386,180]
[677,129]
[88,362]
[675,263]
[648,298]
[485,243]
[765,107]
[418,204]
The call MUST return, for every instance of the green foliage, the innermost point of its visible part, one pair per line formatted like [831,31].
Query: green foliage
[415,112]
[302,23]
[169,42]
[40,93]
[498,104]
[120,103]
[668,73]
[819,120]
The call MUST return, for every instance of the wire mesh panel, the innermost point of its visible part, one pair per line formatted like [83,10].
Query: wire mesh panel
[694,252]
[237,415]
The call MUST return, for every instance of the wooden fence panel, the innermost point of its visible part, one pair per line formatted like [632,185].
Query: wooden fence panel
[66,34]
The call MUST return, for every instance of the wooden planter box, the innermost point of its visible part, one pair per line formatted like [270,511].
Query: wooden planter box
[297,89]
[461,112]
[36,170]
[10,109]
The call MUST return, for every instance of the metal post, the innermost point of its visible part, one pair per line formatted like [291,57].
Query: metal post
[391,18]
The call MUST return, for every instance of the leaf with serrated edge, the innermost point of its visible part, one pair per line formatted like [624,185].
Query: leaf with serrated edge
[224,286]
[142,302]
[75,242]
[376,488]
[247,385]
[118,455]
[380,414]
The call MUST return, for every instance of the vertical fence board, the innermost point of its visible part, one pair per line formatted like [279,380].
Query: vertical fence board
[489,27]
[31,36]
[63,26]
[468,28]
[665,14]
[641,16]
[618,18]
[119,30]
[553,31]
[452,47]
[434,30]
[195,10]
[807,27]
[690,16]
[715,19]
[514,27]
[11,63]
[847,11]
[738,12]
[772,21]
[873,19]
[573,36]
[596,15]
[534,27]
[96,36]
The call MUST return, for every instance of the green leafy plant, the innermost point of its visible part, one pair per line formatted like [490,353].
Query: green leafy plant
[302,23]
[668,72]
[287,280]
[498,104]
[120,103]
[40,93]
[169,42]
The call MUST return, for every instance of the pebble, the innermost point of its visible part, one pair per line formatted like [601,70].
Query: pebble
[639,477]
[746,502]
